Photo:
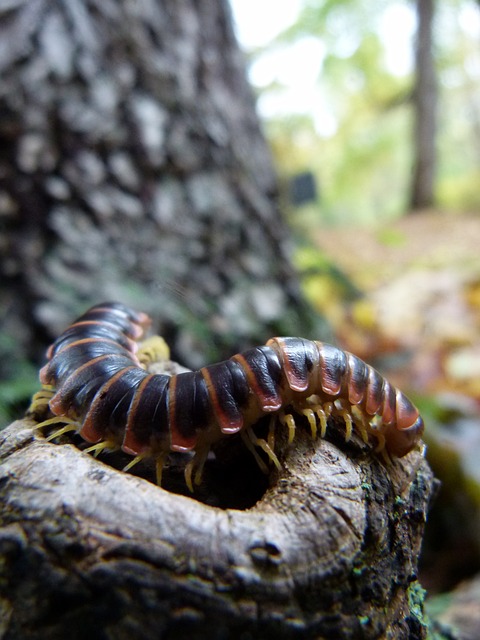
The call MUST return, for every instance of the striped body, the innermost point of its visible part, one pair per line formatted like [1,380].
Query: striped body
[100,383]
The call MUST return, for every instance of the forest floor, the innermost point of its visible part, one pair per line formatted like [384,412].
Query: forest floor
[422,240]
[421,282]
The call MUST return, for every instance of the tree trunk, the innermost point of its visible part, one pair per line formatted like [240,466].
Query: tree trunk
[425,108]
[325,548]
[133,167]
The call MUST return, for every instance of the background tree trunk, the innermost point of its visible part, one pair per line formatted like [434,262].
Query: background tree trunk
[133,167]
[425,109]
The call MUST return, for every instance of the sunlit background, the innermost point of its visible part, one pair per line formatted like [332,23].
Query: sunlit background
[334,83]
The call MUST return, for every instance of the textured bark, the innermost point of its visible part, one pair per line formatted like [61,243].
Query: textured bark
[327,548]
[425,109]
[133,167]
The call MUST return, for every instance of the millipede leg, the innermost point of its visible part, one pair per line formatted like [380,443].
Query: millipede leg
[361,421]
[248,443]
[381,441]
[348,424]
[68,427]
[50,421]
[41,399]
[96,449]
[188,475]
[386,456]
[308,413]
[196,464]
[322,419]
[289,420]
[263,444]
[271,432]
[363,430]
[134,461]
[159,462]
[327,410]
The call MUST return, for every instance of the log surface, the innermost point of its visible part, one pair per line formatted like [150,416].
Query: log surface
[329,550]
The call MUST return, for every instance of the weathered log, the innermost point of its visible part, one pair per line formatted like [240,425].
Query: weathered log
[326,548]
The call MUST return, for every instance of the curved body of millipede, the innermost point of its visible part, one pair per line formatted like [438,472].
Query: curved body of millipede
[100,388]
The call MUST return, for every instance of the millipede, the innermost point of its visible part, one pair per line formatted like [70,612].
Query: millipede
[96,382]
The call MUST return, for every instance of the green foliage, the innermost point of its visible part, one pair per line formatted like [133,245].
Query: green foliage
[363,167]
[18,382]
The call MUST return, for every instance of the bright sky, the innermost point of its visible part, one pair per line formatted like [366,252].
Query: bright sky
[259,21]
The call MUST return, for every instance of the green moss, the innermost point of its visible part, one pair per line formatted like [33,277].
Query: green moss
[416,598]
[418,610]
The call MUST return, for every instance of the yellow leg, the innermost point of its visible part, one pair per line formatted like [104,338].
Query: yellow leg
[322,417]
[40,399]
[362,422]
[386,456]
[271,432]
[188,475]
[362,427]
[196,464]
[308,413]
[134,461]
[68,427]
[159,462]
[96,449]
[289,420]
[248,443]
[348,424]
[381,441]
[263,444]
[50,421]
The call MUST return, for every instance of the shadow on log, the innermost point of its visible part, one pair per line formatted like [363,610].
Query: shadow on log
[328,547]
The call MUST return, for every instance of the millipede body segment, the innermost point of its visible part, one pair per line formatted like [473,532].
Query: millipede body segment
[103,390]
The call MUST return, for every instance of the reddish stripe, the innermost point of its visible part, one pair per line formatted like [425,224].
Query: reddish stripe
[374,397]
[389,402]
[329,384]
[356,388]
[268,401]
[130,443]
[226,423]
[295,382]
[178,442]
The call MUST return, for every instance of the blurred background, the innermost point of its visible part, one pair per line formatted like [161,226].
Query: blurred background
[372,111]
[247,170]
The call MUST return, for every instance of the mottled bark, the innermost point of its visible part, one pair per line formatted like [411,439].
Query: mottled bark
[425,109]
[327,548]
[133,167]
